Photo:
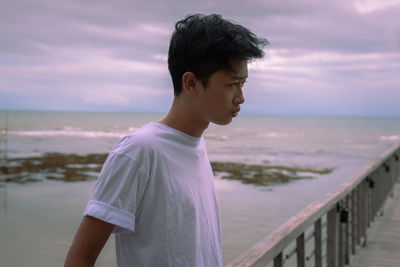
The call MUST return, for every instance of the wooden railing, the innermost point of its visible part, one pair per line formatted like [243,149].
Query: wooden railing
[329,231]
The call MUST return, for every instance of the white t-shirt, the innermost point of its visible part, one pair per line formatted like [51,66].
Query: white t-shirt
[157,187]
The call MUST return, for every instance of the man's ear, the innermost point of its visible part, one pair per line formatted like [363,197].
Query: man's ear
[189,83]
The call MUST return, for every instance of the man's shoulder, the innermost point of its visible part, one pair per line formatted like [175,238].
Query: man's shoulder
[141,141]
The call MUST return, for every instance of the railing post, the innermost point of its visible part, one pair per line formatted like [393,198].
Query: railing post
[300,247]
[392,165]
[353,222]
[365,210]
[359,214]
[397,166]
[331,246]
[370,200]
[278,260]
[386,182]
[374,195]
[381,179]
[366,205]
[390,178]
[318,243]
[347,234]
[373,188]
[340,243]
[362,215]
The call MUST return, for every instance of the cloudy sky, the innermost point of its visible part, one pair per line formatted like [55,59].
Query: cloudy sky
[332,58]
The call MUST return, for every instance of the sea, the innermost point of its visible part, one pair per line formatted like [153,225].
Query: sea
[38,220]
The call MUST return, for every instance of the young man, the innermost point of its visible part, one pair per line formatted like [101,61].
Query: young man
[156,189]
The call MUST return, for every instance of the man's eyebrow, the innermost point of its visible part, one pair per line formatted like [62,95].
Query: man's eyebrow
[239,77]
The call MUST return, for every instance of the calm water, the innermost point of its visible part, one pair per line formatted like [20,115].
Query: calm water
[38,221]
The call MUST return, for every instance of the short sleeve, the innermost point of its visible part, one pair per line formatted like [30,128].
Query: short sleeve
[118,192]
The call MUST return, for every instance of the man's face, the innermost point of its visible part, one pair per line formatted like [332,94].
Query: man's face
[220,101]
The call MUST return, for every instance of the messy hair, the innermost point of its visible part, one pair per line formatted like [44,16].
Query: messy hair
[206,44]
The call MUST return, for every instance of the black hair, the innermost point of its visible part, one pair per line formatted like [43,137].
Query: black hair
[205,44]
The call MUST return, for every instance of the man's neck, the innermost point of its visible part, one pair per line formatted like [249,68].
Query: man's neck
[182,118]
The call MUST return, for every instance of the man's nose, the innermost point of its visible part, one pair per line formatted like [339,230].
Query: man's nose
[239,98]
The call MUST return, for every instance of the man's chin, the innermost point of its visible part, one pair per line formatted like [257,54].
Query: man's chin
[223,122]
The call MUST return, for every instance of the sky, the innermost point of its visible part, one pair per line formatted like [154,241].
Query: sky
[325,58]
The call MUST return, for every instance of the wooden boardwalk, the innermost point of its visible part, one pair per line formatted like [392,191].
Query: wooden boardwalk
[383,238]
[339,222]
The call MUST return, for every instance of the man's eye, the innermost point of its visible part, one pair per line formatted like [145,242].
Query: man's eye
[238,84]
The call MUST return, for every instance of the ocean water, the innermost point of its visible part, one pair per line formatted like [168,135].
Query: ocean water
[39,220]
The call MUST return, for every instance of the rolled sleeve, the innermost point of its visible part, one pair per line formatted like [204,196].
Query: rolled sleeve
[110,214]
[118,192]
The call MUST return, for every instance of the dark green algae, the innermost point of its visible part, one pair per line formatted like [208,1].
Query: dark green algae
[73,167]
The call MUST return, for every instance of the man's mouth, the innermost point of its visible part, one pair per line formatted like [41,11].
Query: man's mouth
[235,113]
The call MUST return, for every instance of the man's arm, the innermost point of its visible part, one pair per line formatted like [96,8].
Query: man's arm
[88,242]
